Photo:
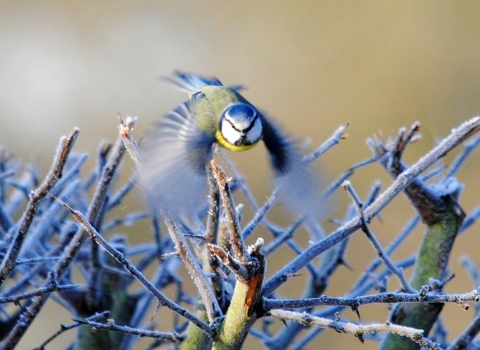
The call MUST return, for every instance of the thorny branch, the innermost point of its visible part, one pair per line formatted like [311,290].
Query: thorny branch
[383,298]
[193,268]
[72,249]
[112,327]
[356,330]
[183,251]
[64,148]
[376,245]
[163,300]
[403,179]
[229,278]
[236,240]
[64,328]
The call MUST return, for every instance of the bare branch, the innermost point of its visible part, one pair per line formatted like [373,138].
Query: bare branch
[163,300]
[356,330]
[64,148]
[456,137]
[467,336]
[172,337]
[236,240]
[64,328]
[196,273]
[233,265]
[45,290]
[73,247]
[373,240]
[125,128]
[338,135]
[383,298]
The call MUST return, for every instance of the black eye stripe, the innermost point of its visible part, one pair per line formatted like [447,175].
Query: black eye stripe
[233,126]
[244,130]
[251,124]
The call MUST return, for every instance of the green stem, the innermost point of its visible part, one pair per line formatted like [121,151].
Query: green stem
[237,322]
[432,262]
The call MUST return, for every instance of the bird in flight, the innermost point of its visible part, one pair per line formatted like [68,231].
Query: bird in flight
[179,147]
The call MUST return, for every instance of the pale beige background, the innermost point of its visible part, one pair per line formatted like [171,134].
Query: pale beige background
[313,65]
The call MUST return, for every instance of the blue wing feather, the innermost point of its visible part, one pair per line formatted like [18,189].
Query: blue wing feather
[175,155]
[298,183]
[191,83]
[177,151]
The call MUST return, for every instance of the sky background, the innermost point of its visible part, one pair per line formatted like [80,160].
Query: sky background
[312,65]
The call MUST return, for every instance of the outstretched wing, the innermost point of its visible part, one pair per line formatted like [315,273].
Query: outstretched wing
[191,83]
[175,154]
[296,179]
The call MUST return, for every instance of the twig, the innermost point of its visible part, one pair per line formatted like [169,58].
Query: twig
[160,280]
[373,240]
[38,270]
[163,300]
[472,269]
[470,219]
[172,337]
[73,247]
[65,145]
[338,135]
[356,330]
[400,145]
[260,214]
[251,199]
[64,328]
[281,239]
[214,207]
[382,298]
[456,137]
[468,335]
[36,260]
[125,128]
[127,220]
[196,273]
[233,265]
[44,290]
[6,222]
[470,146]
[118,197]
[236,240]
[390,249]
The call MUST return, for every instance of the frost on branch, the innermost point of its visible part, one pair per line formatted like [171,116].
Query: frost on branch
[142,293]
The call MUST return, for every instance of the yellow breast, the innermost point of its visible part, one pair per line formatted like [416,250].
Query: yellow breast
[224,143]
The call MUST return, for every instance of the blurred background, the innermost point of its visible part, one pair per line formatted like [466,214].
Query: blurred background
[312,65]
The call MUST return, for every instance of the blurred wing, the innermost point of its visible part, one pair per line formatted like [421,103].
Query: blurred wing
[295,178]
[191,83]
[175,154]
[238,87]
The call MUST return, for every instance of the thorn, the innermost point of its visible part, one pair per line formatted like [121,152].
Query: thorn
[344,263]
[73,212]
[357,311]
[462,304]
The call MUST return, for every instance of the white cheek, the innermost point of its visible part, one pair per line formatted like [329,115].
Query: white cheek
[229,133]
[256,132]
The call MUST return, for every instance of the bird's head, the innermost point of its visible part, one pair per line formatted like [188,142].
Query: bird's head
[241,125]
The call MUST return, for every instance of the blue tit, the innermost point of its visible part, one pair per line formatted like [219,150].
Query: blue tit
[179,147]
